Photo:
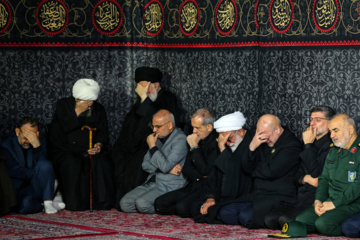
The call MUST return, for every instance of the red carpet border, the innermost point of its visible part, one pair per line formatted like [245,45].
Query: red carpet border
[118,225]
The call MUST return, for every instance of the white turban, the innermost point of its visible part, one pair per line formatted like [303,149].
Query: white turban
[86,89]
[230,122]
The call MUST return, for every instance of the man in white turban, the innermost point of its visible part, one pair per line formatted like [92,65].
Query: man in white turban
[228,180]
[71,152]
[272,159]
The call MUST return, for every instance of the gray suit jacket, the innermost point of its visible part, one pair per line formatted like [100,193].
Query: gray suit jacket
[165,158]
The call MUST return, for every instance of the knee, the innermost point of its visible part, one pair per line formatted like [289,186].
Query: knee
[325,227]
[144,206]
[272,221]
[44,166]
[228,215]
[183,210]
[127,205]
[351,228]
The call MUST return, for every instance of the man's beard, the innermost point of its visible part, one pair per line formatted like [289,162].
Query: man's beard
[153,96]
[233,146]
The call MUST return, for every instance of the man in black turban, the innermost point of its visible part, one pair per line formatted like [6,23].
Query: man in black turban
[130,147]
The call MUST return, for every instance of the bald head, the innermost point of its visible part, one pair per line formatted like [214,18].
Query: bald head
[271,126]
[163,123]
[342,130]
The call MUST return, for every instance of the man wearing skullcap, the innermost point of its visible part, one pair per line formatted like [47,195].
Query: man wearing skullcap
[272,159]
[71,153]
[130,147]
[227,180]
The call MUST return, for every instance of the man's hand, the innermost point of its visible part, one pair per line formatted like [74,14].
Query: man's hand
[81,106]
[318,207]
[151,140]
[258,139]
[142,91]
[96,149]
[310,180]
[327,206]
[209,202]
[309,135]
[222,140]
[176,170]
[193,140]
[32,137]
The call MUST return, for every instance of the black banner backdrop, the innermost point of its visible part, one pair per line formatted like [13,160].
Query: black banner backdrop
[225,55]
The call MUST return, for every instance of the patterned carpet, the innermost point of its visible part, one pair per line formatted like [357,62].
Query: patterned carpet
[117,225]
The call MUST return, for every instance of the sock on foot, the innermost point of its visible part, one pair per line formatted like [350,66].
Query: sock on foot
[58,202]
[49,208]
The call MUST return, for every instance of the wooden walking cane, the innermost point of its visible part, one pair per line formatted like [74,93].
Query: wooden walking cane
[90,147]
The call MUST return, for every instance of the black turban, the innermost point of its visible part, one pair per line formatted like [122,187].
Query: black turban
[148,74]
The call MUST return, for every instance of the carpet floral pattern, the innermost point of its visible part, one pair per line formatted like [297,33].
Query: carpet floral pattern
[118,225]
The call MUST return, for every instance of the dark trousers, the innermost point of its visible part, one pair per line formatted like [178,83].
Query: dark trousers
[40,189]
[178,202]
[328,223]
[351,226]
[281,215]
[237,213]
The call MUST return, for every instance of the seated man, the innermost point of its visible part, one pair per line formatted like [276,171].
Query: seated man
[130,147]
[273,160]
[71,151]
[317,145]
[227,180]
[199,161]
[31,172]
[163,161]
[337,195]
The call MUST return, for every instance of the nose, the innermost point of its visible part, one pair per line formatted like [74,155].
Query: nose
[332,134]
[194,130]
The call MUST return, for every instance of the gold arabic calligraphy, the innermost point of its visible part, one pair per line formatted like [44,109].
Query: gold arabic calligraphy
[4,16]
[226,15]
[153,17]
[281,13]
[108,16]
[188,16]
[325,13]
[53,16]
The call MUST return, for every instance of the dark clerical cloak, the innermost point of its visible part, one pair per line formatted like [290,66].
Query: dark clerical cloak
[7,192]
[274,171]
[130,147]
[226,182]
[69,145]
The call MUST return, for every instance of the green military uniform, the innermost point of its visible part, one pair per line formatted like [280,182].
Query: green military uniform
[339,183]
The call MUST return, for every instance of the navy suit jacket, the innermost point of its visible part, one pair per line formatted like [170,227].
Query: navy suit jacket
[15,160]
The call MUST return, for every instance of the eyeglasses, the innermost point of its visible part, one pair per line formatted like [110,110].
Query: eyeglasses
[158,126]
[317,119]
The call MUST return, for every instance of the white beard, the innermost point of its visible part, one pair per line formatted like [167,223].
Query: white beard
[233,146]
[153,96]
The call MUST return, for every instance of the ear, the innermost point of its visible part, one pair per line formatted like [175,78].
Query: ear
[209,127]
[351,129]
[171,125]
[17,131]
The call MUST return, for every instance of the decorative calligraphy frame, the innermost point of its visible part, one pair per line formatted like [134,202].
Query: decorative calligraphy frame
[197,20]
[335,22]
[121,17]
[162,20]
[271,21]
[216,18]
[66,19]
[7,25]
